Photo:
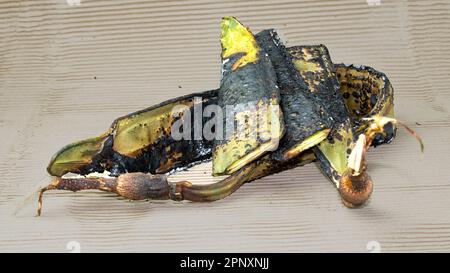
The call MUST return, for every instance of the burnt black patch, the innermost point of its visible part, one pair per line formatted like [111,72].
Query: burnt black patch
[303,113]
[151,159]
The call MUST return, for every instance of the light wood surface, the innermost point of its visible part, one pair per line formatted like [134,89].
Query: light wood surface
[67,71]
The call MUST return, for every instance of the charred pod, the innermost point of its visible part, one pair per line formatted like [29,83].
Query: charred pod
[258,75]
[314,65]
[249,85]
[316,68]
[305,120]
[159,154]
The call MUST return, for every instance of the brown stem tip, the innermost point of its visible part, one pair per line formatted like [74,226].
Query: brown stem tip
[133,186]
[355,190]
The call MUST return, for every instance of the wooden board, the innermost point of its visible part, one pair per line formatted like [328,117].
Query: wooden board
[67,71]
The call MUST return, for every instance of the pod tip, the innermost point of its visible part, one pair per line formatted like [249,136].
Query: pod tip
[355,190]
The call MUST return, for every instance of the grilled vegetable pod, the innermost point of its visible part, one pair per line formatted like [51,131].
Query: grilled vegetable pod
[248,87]
[328,113]
[306,121]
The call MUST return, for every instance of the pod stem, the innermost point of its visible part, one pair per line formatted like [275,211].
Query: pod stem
[378,122]
[141,186]
[356,159]
[76,184]
[355,185]
[207,193]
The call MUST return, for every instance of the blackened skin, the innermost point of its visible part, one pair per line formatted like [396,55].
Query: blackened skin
[327,90]
[389,132]
[258,78]
[155,157]
[303,113]
[246,86]
[319,73]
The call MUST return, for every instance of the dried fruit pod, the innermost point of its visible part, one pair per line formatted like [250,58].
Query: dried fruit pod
[348,174]
[162,154]
[251,99]
[140,142]
[306,121]
[143,141]
[89,155]
[314,64]
[316,68]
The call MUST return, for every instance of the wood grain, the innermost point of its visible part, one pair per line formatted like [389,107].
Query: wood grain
[67,71]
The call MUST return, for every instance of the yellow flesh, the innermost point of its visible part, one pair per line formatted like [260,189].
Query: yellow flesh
[305,63]
[244,147]
[250,157]
[336,152]
[309,142]
[236,38]
[76,155]
[134,133]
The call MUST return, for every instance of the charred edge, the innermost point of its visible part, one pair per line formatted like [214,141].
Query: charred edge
[325,85]
[268,165]
[303,113]
[315,65]
[210,94]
